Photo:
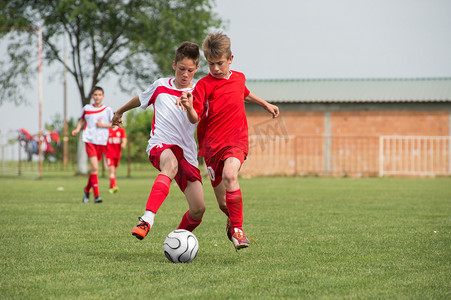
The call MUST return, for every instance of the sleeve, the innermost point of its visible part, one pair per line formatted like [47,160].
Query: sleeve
[146,98]
[83,111]
[246,92]
[123,133]
[200,95]
[110,114]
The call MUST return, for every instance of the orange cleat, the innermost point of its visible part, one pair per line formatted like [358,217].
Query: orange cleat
[141,230]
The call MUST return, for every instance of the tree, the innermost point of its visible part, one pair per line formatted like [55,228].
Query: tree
[134,39]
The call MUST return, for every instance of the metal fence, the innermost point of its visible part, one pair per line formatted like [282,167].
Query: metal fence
[354,156]
[414,155]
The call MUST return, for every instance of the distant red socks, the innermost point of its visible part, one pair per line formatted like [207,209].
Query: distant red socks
[234,202]
[188,222]
[112,182]
[159,192]
[94,183]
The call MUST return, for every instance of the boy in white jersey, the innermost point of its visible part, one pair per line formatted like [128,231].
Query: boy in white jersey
[95,120]
[171,148]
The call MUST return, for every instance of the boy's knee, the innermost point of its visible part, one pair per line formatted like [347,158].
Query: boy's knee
[197,212]
[229,177]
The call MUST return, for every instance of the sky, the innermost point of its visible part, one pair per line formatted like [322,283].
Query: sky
[299,39]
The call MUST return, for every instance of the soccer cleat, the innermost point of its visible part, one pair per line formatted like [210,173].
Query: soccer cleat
[240,239]
[98,199]
[85,197]
[113,190]
[229,229]
[141,230]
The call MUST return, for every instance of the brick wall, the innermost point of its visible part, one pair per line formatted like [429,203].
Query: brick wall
[375,123]
[298,144]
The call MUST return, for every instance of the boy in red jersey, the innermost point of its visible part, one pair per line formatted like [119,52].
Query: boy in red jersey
[218,101]
[171,148]
[95,120]
[117,140]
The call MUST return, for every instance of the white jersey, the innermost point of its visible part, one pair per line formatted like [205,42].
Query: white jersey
[170,125]
[92,114]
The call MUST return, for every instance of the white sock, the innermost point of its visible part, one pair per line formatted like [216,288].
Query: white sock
[148,217]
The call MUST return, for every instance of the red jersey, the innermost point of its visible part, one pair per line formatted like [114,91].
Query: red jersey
[113,149]
[220,104]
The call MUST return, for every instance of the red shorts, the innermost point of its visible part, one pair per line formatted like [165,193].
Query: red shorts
[186,171]
[95,150]
[215,163]
[113,161]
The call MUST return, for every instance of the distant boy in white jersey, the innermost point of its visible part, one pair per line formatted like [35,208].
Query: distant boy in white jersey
[172,148]
[95,120]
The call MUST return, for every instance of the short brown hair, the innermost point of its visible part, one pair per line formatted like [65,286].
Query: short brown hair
[187,50]
[216,45]
[96,88]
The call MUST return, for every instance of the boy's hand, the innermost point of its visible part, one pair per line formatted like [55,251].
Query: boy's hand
[272,109]
[117,119]
[185,102]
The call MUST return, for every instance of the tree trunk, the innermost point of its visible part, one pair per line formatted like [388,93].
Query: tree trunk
[82,156]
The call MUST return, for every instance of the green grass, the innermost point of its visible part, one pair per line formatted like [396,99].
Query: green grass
[318,238]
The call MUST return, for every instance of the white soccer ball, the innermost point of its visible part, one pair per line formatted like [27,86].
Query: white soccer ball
[181,246]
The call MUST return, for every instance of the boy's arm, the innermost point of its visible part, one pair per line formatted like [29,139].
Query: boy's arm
[80,124]
[272,109]
[104,125]
[117,118]
[124,142]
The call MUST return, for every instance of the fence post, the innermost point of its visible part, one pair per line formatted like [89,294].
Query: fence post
[381,156]
[327,143]
[19,167]
[128,161]
[449,143]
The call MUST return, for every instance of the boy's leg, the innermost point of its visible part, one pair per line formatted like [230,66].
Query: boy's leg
[112,170]
[195,198]
[234,202]
[113,186]
[160,190]
[220,193]
[94,163]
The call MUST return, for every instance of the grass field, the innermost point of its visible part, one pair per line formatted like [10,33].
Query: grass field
[318,238]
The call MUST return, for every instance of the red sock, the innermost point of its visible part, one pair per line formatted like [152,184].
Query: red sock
[112,182]
[188,222]
[234,203]
[159,192]
[88,185]
[95,184]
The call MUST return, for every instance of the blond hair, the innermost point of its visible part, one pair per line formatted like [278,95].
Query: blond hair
[216,45]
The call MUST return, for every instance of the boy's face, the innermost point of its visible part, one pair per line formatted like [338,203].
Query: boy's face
[97,96]
[220,67]
[184,72]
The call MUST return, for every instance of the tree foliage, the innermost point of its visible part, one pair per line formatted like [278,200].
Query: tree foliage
[134,39]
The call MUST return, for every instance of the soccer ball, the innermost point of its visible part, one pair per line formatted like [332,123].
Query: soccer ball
[181,246]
